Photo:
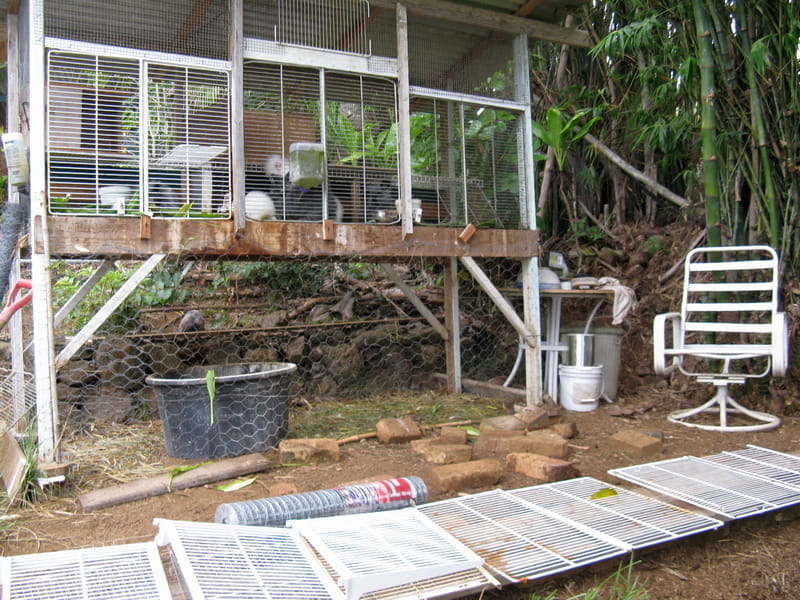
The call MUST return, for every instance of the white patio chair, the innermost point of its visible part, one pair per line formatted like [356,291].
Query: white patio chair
[728,330]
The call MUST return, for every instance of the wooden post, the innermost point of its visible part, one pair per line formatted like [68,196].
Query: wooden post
[453,325]
[404,122]
[41,305]
[530,266]
[236,52]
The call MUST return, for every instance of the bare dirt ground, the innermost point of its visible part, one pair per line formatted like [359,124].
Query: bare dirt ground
[754,559]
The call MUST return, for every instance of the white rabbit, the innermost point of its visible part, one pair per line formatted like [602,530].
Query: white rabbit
[258,206]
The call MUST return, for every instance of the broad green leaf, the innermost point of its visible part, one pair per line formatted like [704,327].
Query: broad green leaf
[473,431]
[603,493]
[211,385]
[175,471]
[236,485]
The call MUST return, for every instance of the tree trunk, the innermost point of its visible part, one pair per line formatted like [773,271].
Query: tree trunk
[708,127]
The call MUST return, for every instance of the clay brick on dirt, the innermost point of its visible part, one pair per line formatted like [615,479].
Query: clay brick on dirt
[309,450]
[397,431]
[464,476]
[543,468]
[635,443]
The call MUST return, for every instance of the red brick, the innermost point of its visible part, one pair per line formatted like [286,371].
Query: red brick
[565,430]
[397,431]
[540,467]
[453,435]
[537,442]
[502,423]
[533,417]
[635,443]
[309,450]
[492,441]
[467,475]
[445,454]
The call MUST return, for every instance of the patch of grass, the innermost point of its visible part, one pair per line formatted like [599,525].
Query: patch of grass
[622,584]
[342,418]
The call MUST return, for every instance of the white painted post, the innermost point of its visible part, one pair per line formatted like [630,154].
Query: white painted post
[43,344]
[530,266]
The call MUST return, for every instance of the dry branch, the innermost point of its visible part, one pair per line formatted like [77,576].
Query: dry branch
[635,173]
[161,484]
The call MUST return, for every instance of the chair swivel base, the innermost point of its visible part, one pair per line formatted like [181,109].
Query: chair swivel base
[723,405]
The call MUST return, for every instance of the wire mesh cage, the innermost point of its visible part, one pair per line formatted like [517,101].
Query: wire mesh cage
[101,160]
[17,397]
[139,121]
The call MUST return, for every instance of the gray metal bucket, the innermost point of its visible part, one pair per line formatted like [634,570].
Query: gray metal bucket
[581,349]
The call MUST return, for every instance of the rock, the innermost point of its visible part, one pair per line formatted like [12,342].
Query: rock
[543,468]
[273,319]
[533,417]
[635,443]
[313,450]
[192,321]
[164,359]
[77,373]
[119,363]
[397,431]
[295,349]
[223,352]
[503,423]
[565,430]
[468,475]
[107,403]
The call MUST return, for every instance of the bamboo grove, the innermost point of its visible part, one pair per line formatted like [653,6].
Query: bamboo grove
[694,109]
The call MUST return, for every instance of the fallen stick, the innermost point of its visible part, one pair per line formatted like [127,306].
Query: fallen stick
[161,484]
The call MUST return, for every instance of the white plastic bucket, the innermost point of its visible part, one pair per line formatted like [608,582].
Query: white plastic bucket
[580,387]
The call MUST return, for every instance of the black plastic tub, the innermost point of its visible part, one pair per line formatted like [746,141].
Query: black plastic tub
[249,411]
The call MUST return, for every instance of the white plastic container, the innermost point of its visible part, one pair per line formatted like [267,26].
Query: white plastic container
[580,388]
[115,197]
[306,164]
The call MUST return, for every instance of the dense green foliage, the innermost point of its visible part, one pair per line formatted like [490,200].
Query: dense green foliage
[701,96]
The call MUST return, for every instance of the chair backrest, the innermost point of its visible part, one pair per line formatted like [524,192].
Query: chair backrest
[730,308]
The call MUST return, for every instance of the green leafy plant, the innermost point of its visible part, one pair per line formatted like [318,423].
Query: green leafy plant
[581,230]
[559,131]
[211,386]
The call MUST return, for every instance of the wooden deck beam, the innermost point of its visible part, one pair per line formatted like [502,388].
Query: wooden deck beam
[99,237]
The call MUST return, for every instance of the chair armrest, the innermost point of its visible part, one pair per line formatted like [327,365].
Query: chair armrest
[660,341]
[780,345]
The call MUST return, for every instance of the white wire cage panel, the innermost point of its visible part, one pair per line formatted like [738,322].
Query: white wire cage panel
[762,462]
[518,540]
[177,27]
[370,554]
[339,25]
[238,562]
[130,571]
[631,518]
[465,163]
[724,489]
[352,116]
[459,58]
[100,159]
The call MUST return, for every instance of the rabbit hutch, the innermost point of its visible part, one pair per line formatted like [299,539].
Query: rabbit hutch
[250,130]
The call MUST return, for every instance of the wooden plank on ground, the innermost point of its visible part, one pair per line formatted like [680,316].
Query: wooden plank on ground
[12,466]
[160,484]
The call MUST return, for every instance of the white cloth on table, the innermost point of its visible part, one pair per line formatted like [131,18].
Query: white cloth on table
[624,298]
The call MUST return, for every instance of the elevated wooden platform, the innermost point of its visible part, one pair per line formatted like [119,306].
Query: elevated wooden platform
[75,237]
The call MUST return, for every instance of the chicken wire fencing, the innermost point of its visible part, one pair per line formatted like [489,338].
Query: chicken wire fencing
[347,327]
